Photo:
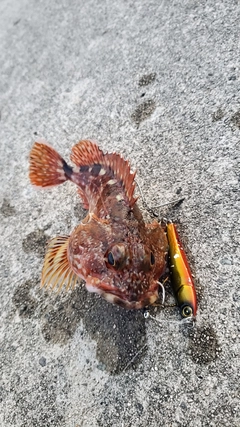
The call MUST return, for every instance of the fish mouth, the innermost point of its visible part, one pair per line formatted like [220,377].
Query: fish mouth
[130,305]
[130,301]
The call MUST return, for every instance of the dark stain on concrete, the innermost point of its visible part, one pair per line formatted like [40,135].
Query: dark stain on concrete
[143,111]
[146,79]
[35,242]
[120,334]
[25,303]
[60,316]
[16,22]
[235,119]
[217,115]
[203,346]
[6,209]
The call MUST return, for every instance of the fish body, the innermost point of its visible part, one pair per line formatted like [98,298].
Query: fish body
[182,281]
[112,249]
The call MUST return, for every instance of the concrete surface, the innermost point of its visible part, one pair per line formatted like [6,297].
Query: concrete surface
[157,81]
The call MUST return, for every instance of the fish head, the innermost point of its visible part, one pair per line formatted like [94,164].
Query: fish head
[123,267]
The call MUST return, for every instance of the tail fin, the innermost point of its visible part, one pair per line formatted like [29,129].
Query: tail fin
[47,167]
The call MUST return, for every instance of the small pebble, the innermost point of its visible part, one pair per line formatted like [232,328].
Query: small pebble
[42,361]
[226,261]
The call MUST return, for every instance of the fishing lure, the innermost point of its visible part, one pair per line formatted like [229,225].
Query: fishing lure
[182,281]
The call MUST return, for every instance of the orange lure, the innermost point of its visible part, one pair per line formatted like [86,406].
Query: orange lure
[182,281]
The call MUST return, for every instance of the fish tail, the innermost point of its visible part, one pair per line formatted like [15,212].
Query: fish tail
[47,167]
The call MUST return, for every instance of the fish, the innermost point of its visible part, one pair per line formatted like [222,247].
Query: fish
[113,250]
[182,281]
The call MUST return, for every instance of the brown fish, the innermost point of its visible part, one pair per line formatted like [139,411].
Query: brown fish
[112,249]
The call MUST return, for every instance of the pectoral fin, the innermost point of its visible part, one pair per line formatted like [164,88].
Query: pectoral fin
[56,269]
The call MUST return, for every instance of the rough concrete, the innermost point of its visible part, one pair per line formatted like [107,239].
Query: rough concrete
[158,82]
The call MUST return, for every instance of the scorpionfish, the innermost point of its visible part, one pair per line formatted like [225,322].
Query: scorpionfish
[112,249]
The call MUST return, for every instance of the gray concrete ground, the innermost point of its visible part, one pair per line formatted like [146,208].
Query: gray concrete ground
[157,81]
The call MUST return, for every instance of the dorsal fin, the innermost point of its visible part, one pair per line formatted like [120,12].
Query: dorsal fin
[87,153]
[56,268]
[121,170]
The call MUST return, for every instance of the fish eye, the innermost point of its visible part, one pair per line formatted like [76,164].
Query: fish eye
[187,311]
[116,256]
[110,258]
[152,259]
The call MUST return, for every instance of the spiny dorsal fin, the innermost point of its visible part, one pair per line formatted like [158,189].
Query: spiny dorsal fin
[87,153]
[56,269]
[121,169]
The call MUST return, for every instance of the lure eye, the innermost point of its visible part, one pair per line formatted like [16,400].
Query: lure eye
[152,259]
[110,258]
[187,311]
